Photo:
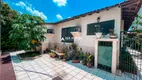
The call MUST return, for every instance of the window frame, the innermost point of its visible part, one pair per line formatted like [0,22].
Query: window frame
[67,34]
[92,31]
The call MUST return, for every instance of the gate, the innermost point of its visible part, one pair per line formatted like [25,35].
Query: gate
[131,54]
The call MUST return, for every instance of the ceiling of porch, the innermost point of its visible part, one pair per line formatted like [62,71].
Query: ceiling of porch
[129,11]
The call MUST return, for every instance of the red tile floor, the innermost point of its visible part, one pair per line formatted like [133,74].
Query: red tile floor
[6,68]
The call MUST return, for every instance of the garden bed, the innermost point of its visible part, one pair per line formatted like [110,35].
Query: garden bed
[31,55]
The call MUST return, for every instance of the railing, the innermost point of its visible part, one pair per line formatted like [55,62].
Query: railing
[131,54]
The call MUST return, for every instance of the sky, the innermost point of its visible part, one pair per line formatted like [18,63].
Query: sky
[56,10]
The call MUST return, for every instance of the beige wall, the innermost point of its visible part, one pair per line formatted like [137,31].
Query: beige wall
[49,37]
[88,40]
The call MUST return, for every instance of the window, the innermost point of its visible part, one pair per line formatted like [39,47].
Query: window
[50,31]
[66,34]
[106,25]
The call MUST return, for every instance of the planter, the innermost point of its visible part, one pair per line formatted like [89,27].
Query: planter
[81,62]
[52,56]
[89,65]
[75,61]
[98,34]
[113,36]
[64,60]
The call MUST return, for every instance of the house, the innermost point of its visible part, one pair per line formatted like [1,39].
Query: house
[118,17]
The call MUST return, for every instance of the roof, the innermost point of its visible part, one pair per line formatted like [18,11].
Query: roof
[129,10]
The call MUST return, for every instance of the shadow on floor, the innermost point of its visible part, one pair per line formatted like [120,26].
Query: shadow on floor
[6,59]
[5,64]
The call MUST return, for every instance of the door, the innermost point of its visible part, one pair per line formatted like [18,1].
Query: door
[105,55]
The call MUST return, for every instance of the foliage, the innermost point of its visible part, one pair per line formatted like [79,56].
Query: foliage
[81,54]
[74,46]
[52,54]
[35,45]
[27,28]
[137,22]
[7,19]
[111,32]
[84,61]
[135,38]
[64,48]
[70,53]
[29,54]
[65,56]
[76,56]
[90,58]
[98,28]
[128,67]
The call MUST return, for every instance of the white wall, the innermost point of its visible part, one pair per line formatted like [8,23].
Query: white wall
[48,37]
[87,41]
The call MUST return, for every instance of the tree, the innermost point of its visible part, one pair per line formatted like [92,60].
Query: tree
[27,30]
[137,22]
[7,17]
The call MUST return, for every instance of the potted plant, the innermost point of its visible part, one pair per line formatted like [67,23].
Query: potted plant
[76,58]
[84,61]
[46,50]
[98,31]
[35,45]
[74,46]
[65,57]
[90,60]
[112,35]
[81,55]
[52,54]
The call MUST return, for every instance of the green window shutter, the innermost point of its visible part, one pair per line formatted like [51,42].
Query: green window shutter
[70,35]
[91,29]
[66,34]
[106,25]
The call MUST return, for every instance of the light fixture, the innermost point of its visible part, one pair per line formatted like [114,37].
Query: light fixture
[98,19]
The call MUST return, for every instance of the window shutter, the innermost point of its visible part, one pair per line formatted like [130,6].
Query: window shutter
[69,34]
[66,34]
[91,29]
[106,25]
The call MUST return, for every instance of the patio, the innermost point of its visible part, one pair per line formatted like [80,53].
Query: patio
[47,68]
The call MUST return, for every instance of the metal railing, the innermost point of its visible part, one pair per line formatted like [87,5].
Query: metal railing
[131,54]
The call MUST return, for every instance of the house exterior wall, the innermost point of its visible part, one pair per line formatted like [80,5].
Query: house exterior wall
[87,41]
[49,38]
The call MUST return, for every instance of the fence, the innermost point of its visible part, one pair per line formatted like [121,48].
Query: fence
[131,54]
